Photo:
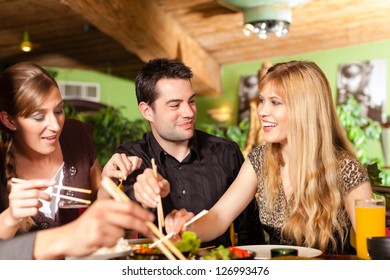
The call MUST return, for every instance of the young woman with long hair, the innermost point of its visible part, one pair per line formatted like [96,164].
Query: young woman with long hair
[306,176]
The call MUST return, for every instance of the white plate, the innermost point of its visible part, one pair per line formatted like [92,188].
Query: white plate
[108,256]
[263,252]
[113,252]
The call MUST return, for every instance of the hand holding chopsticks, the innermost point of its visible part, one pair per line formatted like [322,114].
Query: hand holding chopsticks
[80,190]
[170,235]
[119,166]
[149,186]
[117,194]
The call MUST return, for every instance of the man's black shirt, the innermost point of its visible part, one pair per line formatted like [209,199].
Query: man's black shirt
[199,180]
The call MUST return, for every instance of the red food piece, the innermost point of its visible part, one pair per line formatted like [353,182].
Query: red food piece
[239,253]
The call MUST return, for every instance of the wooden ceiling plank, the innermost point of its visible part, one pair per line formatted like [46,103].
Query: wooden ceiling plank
[144,29]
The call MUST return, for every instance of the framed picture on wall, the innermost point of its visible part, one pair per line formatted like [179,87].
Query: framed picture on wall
[247,91]
[366,81]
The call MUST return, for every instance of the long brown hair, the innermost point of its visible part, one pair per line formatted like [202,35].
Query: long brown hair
[23,87]
[315,137]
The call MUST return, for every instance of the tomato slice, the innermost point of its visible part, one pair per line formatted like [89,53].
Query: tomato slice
[239,253]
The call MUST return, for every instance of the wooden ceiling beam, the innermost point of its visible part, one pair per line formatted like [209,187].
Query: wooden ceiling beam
[147,31]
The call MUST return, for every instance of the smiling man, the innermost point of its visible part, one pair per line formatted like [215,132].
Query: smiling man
[199,167]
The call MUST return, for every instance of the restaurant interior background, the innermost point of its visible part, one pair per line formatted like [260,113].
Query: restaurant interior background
[94,48]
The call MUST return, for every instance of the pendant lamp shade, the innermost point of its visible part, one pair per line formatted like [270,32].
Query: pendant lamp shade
[26,45]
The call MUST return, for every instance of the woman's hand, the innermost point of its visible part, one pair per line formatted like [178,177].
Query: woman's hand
[148,188]
[120,166]
[24,202]
[24,197]
[174,222]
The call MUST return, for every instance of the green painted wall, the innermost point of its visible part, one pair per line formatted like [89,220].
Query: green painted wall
[114,91]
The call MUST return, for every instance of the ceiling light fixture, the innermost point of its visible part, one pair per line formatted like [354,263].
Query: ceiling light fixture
[264,18]
[26,45]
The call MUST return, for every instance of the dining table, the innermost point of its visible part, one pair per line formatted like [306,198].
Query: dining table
[339,257]
[131,253]
[322,257]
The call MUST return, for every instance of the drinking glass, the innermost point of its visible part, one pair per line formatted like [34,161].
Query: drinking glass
[370,215]
[69,210]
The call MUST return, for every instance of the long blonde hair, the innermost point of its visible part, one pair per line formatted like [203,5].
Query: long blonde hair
[23,87]
[315,139]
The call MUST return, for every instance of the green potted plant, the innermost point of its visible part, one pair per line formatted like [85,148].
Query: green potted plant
[361,131]
[237,133]
[110,129]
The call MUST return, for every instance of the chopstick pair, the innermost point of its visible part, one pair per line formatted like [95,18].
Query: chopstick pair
[86,201]
[80,190]
[166,242]
[168,236]
[164,249]
[118,195]
[18,180]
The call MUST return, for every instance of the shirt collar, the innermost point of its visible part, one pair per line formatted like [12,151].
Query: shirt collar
[159,151]
[194,146]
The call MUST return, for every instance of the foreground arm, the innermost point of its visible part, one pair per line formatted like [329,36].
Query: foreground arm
[18,248]
[223,213]
[101,225]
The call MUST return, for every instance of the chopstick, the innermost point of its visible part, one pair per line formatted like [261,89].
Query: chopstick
[17,180]
[86,201]
[113,190]
[166,242]
[118,195]
[168,236]
[164,250]
[196,217]
[160,212]
[72,189]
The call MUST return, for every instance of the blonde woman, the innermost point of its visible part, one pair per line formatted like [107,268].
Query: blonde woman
[306,175]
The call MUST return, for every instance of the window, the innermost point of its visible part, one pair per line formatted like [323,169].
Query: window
[80,90]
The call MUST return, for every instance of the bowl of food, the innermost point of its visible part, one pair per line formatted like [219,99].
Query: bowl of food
[379,247]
